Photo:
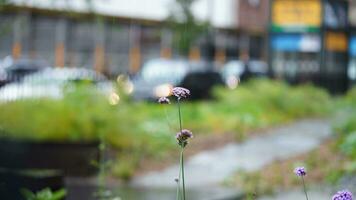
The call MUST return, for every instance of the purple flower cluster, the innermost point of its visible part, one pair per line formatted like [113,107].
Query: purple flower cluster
[340,195]
[183,136]
[180,92]
[343,195]
[300,171]
[164,100]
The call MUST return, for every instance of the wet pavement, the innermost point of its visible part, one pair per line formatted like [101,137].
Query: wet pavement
[206,170]
[209,168]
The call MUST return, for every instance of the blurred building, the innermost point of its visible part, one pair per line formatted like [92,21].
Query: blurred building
[303,40]
[309,41]
[352,44]
[252,23]
[117,36]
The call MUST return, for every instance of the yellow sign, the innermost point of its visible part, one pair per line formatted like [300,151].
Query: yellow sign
[336,41]
[299,13]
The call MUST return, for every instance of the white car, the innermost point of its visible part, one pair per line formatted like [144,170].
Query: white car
[50,83]
[158,76]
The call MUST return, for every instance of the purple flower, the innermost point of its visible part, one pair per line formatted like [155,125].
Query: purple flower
[180,92]
[300,171]
[164,100]
[343,195]
[183,136]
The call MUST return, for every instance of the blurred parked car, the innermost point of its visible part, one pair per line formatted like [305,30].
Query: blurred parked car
[50,83]
[158,76]
[234,70]
[2,74]
[14,71]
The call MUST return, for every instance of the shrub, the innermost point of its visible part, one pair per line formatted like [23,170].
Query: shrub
[346,128]
[84,114]
[257,104]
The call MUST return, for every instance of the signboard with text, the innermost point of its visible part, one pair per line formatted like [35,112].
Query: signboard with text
[336,41]
[296,16]
[296,42]
[352,46]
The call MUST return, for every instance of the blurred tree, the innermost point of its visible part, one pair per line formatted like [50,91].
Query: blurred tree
[186,29]
[6,27]
[4,3]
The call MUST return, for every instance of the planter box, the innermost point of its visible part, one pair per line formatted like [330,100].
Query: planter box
[12,182]
[73,159]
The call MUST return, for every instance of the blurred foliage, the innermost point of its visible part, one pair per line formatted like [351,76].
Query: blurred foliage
[186,29]
[333,160]
[45,194]
[346,126]
[4,2]
[257,104]
[84,115]
[324,164]
[81,115]
[141,129]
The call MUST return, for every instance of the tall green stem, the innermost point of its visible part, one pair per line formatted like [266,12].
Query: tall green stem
[180,116]
[305,189]
[178,196]
[182,168]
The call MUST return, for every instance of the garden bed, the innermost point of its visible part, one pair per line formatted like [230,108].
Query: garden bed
[72,159]
[13,182]
[142,131]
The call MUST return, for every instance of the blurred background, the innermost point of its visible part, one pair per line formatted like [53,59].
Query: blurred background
[79,78]
[298,41]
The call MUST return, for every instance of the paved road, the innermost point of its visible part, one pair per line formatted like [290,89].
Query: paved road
[209,168]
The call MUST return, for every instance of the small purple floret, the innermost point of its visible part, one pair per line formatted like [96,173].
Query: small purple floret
[180,92]
[343,195]
[164,100]
[300,171]
[183,136]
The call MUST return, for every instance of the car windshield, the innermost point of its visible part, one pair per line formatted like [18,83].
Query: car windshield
[235,68]
[164,70]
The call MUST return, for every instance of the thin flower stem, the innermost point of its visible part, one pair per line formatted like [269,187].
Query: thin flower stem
[305,188]
[182,168]
[178,196]
[180,116]
[178,191]
[181,172]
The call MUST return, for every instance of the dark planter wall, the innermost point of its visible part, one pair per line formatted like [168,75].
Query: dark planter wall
[70,158]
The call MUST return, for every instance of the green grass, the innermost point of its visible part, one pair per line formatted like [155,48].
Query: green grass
[346,127]
[139,129]
[328,163]
[257,104]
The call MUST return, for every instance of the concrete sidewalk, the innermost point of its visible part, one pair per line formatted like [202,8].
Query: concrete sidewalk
[209,168]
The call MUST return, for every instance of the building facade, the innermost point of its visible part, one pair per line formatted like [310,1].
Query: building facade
[309,42]
[352,44]
[110,36]
[252,24]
